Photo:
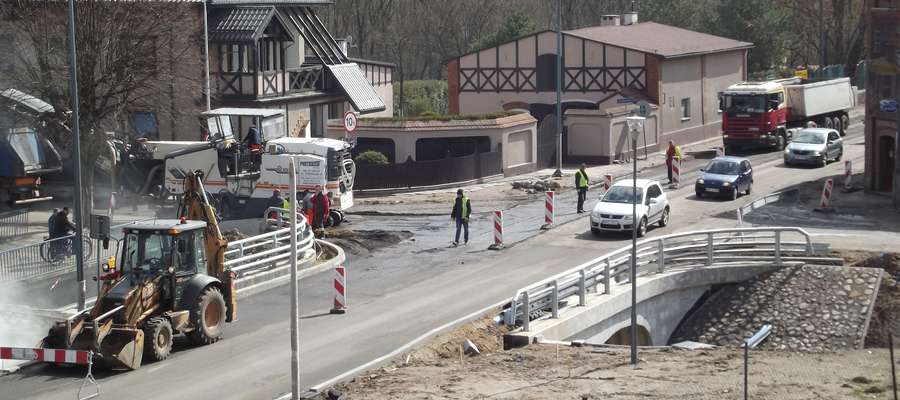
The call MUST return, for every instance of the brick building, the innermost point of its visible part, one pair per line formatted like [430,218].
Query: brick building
[882,84]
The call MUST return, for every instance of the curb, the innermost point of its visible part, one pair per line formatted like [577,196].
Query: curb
[865,327]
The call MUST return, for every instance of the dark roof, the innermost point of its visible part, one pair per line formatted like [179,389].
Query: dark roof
[663,40]
[239,24]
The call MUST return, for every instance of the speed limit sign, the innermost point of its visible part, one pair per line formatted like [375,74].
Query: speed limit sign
[349,121]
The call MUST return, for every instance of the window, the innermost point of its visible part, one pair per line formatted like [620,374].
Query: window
[654,191]
[745,166]
[685,109]
[336,110]
[145,124]
[235,58]
[774,100]
[186,254]
[832,136]
[317,120]
[440,148]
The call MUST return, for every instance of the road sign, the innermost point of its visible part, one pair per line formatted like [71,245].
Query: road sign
[350,121]
[625,100]
[643,108]
[889,105]
[99,226]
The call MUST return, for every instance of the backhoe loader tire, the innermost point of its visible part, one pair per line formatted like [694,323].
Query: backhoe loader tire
[208,317]
[157,339]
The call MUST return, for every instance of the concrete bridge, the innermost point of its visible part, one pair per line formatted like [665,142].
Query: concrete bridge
[677,273]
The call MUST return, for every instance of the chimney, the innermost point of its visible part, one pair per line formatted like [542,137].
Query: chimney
[610,20]
[629,18]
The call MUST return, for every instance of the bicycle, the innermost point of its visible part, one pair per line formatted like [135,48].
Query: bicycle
[58,249]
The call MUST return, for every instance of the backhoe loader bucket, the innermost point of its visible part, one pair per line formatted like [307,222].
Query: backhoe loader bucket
[123,348]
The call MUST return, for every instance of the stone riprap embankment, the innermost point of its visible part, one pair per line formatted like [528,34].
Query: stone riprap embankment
[810,308]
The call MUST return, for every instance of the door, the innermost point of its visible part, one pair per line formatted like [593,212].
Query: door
[189,259]
[654,209]
[834,144]
[746,176]
[885,175]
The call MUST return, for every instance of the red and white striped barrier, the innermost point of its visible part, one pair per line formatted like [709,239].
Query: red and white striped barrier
[340,290]
[549,210]
[826,194]
[607,182]
[676,172]
[46,355]
[848,175]
[720,151]
[498,231]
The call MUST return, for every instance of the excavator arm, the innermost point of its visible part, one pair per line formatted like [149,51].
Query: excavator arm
[195,205]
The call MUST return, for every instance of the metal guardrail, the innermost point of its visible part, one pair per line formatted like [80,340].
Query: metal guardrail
[681,250]
[762,202]
[50,256]
[13,224]
[260,252]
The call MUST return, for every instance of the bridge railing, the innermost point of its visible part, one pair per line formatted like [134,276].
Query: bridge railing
[677,251]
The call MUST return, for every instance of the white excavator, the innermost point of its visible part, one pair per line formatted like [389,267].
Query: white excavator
[241,176]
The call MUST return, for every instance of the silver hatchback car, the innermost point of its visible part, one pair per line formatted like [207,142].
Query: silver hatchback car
[815,146]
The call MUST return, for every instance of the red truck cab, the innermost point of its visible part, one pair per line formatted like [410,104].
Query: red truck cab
[754,114]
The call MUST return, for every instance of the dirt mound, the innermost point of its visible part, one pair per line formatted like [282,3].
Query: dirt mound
[361,243]
[484,332]
[886,315]
[233,235]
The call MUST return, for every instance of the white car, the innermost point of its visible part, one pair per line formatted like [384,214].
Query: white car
[613,211]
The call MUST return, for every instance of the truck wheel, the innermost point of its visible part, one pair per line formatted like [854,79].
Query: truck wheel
[208,317]
[845,124]
[779,145]
[157,338]
[829,123]
[335,217]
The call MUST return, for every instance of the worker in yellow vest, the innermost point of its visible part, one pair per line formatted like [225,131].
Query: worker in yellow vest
[581,183]
[462,209]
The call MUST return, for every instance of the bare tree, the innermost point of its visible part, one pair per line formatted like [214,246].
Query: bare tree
[131,56]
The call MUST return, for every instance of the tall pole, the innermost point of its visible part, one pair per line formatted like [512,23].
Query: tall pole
[295,295]
[206,88]
[823,43]
[76,131]
[559,83]
[634,228]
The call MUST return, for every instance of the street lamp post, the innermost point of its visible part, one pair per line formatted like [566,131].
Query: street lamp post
[76,138]
[635,125]
[559,82]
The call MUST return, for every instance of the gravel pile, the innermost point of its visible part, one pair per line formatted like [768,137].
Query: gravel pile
[536,186]
[810,308]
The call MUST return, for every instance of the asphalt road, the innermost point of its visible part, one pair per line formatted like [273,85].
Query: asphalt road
[395,295]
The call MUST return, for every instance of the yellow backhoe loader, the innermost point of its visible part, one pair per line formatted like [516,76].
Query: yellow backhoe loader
[169,278]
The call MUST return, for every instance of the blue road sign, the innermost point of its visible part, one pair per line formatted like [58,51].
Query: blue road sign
[889,105]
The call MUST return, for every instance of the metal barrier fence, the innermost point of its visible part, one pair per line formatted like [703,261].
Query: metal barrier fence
[13,224]
[681,250]
[260,252]
[49,256]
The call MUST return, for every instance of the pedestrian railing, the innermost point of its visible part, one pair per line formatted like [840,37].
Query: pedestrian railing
[261,252]
[50,256]
[13,224]
[771,246]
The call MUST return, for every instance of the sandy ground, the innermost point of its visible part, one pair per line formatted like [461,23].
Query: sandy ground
[562,372]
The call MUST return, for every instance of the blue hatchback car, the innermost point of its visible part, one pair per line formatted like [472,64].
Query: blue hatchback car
[725,176]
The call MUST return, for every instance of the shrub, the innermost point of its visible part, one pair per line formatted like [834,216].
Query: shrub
[371,157]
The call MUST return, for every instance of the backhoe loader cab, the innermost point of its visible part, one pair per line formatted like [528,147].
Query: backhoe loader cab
[158,287]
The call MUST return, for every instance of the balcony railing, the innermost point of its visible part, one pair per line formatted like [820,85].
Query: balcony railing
[249,85]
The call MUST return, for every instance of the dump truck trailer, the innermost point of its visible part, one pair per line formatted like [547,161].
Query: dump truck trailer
[26,155]
[763,114]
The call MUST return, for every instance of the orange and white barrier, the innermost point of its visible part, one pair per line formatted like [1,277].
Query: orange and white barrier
[826,194]
[498,231]
[58,356]
[676,172]
[848,175]
[549,210]
[607,182]
[720,151]
[340,290]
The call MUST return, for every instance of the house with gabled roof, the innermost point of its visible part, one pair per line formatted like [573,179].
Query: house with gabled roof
[605,70]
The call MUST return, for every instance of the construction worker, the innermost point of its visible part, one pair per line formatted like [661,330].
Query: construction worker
[320,206]
[278,202]
[581,183]
[462,209]
[673,153]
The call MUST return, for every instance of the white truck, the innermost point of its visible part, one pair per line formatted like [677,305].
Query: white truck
[241,179]
[764,114]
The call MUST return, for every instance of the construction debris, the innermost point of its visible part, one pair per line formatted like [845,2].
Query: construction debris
[536,186]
